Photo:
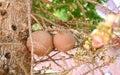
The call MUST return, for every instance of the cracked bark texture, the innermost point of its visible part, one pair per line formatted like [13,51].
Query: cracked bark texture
[13,35]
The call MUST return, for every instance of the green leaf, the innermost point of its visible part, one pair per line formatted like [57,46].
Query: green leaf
[36,27]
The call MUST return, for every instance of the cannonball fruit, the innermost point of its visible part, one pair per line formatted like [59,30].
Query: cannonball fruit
[64,41]
[42,42]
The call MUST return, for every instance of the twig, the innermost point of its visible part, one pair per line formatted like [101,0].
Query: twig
[43,23]
[37,21]
[30,34]
[93,69]
[46,58]
[56,62]
[78,21]
[46,12]
[82,9]
[90,67]
[105,8]
[99,69]
[21,66]
[67,71]
[51,14]
[39,16]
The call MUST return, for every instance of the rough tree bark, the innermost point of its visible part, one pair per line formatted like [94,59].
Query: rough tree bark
[13,35]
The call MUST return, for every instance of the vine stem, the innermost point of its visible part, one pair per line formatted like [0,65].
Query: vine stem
[30,34]
[82,9]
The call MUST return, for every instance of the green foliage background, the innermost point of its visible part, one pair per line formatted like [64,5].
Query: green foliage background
[68,10]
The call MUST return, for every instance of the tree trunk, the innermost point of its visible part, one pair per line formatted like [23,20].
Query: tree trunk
[13,34]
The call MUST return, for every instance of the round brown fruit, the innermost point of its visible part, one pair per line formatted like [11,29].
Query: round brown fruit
[42,43]
[64,41]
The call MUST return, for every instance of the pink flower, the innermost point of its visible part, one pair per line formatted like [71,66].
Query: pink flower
[98,41]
